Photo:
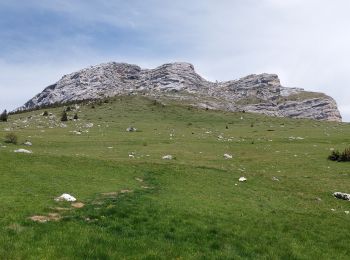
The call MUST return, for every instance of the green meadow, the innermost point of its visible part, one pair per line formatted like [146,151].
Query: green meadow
[140,206]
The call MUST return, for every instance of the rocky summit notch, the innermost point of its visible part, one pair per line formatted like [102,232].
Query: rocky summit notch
[261,93]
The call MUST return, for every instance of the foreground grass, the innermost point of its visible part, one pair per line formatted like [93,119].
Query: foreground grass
[191,207]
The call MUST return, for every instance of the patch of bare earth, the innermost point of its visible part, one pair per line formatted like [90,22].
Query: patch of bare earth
[126,191]
[15,227]
[78,205]
[43,219]
[110,194]
[60,209]
[115,193]
[146,187]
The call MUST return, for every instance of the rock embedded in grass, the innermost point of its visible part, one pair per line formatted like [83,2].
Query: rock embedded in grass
[27,143]
[65,197]
[228,156]
[131,129]
[242,179]
[341,195]
[167,157]
[22,151]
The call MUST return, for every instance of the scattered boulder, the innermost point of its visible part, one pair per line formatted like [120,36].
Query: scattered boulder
[27,143]
[242,179]
[341,195]
[65,197]
[131,129]
[275,179]
[22,151]
[167,157]
[228,156]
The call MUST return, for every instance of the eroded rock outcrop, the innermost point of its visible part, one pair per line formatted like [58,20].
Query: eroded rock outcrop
[255,93]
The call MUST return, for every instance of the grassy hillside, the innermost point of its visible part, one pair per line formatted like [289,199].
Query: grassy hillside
[139,206]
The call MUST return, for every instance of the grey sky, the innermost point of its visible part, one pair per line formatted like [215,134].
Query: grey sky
[307,43]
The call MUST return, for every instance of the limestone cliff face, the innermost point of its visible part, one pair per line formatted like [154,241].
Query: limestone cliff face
[178,81]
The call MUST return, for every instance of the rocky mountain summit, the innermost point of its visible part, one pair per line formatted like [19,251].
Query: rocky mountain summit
[178,81]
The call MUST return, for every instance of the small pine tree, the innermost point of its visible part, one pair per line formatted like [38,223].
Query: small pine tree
[68,109]
[45,113]
[4,116]
[64,116]
[76,116]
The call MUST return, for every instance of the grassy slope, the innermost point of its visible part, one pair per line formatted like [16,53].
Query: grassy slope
[193,209]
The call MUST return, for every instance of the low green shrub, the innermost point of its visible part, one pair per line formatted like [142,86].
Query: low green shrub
[340,156]
[11,138]
[345,155]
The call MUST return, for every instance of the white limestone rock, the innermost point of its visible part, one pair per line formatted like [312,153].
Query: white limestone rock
[28,143]
[242,179]
[341,195]
[261,93]
[131,129]
[228,156]
[65,197]
[22,151]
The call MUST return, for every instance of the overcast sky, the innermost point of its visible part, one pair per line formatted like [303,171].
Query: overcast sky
[307,43]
